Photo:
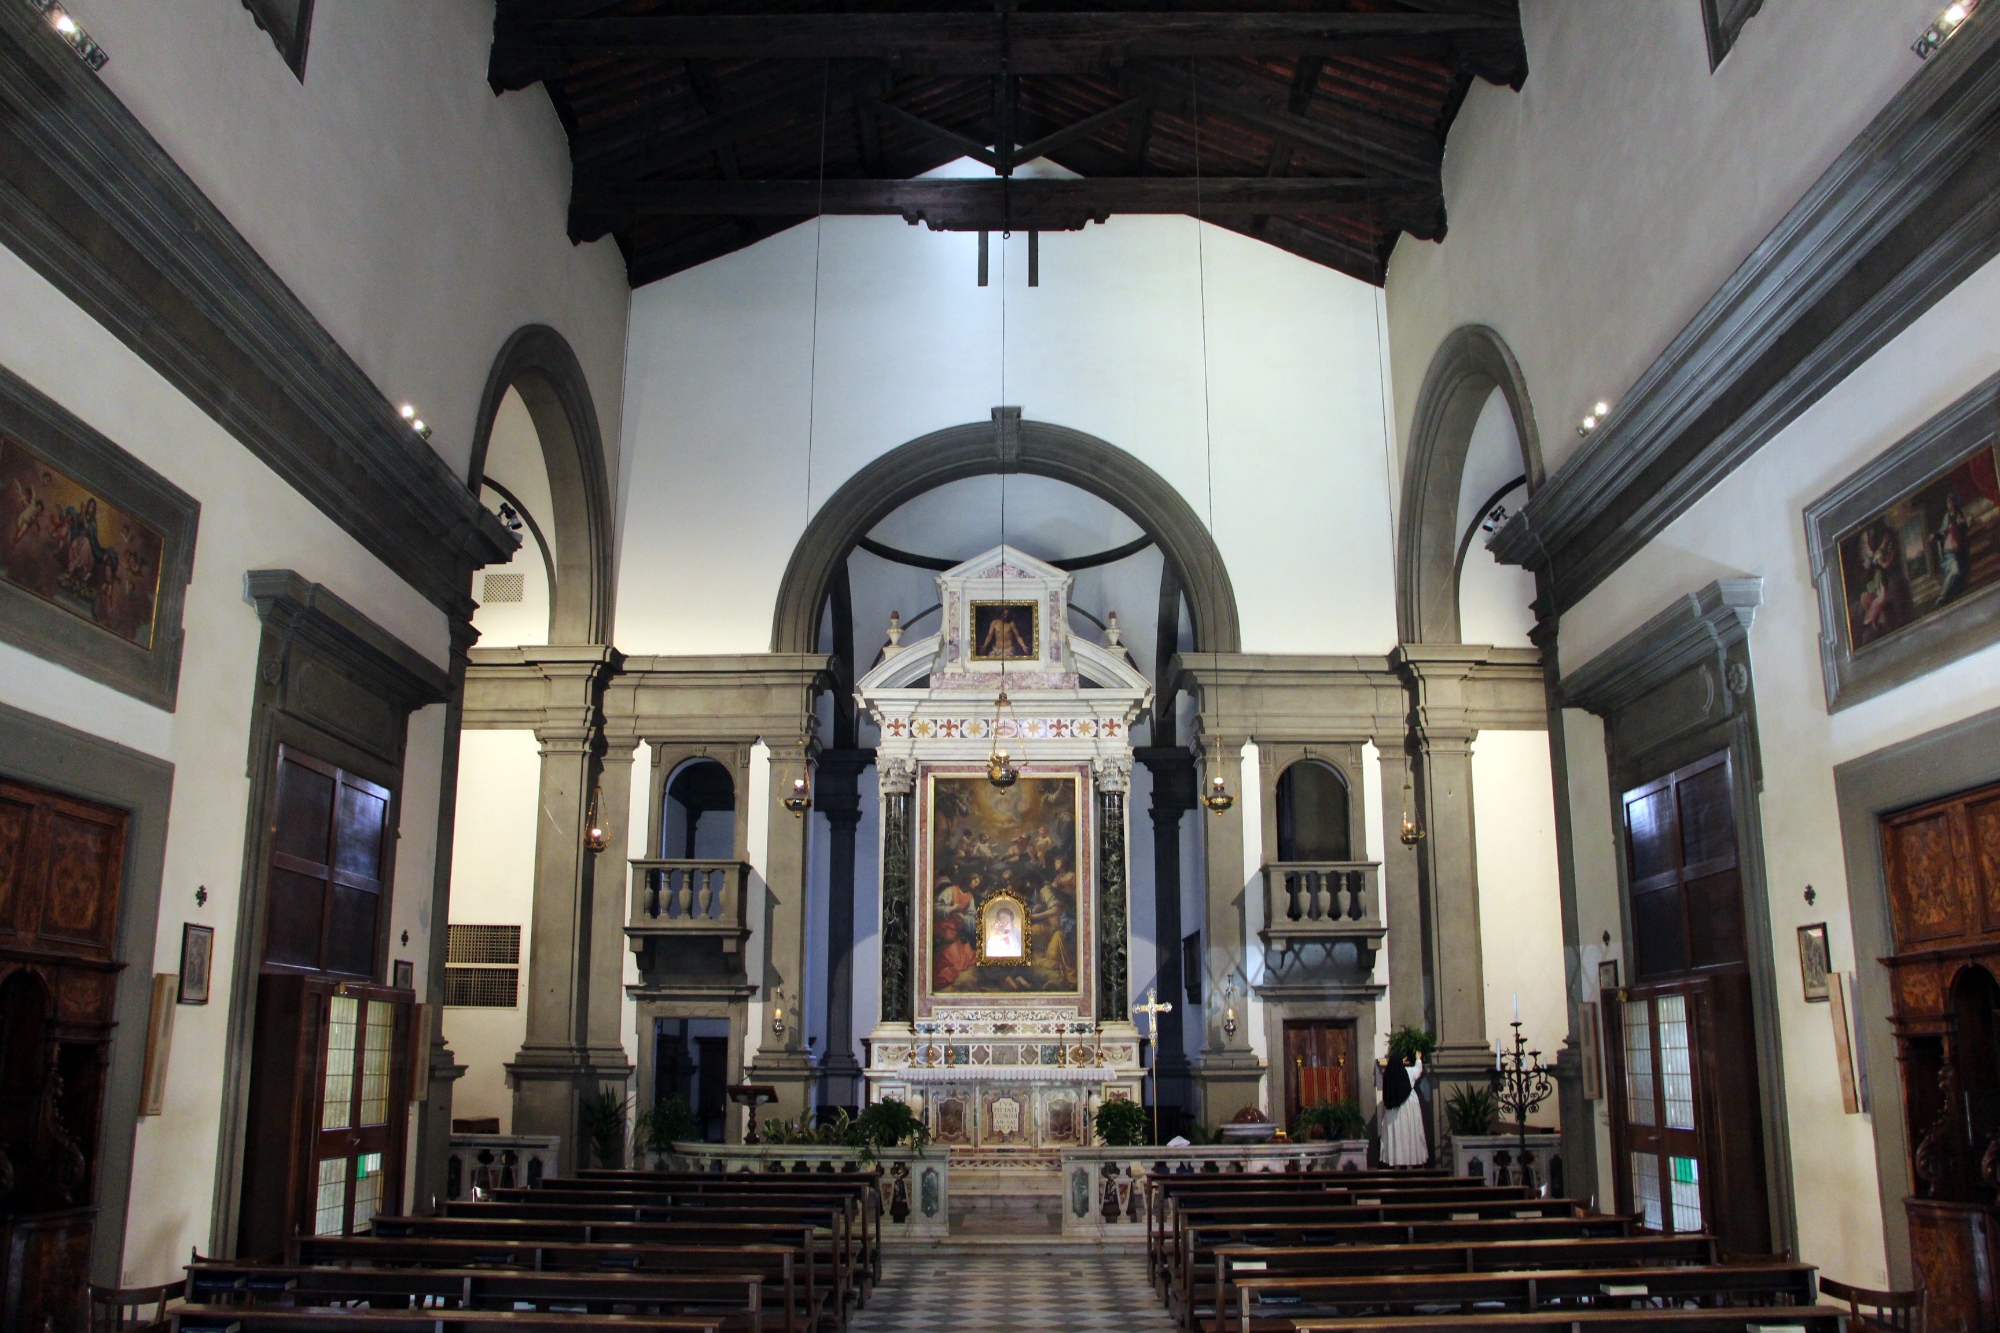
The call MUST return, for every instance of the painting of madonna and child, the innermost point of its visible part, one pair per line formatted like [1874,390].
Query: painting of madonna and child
[1003,880]
[1923,551]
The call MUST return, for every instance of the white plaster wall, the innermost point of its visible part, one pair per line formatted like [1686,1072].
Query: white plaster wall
[1599,907]
[514,460]
[1751,524]
[1520,897]
[1493,599]
[250,519]
[716,442]
[1594,211]
[493,884]
[419,217]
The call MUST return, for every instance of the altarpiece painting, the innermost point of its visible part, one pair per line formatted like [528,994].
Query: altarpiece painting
[1004,894]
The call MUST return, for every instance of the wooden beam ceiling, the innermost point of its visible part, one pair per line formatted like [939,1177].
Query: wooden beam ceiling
[1319,130]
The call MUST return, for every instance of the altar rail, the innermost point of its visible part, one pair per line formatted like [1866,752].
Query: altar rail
[689,900]
[1322,902]
[916,1186]
[1104,1194]
[499,1161]
[1499,1160]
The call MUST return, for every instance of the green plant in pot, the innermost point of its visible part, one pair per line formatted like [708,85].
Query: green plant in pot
[1408,1041]
[1331,1120]
[1471,1110]
[671,1121]
[1121,1123]
[886,1124]
[603,1119]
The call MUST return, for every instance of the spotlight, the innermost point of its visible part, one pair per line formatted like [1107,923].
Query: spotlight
[408,412]
[79,41]
[1943,28]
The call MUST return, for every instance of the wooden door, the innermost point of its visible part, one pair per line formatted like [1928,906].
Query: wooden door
[1941,862]
[357,1149]
[1319,1064]
[1687,1114]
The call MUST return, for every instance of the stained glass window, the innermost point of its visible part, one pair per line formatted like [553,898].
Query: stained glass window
[1675,1072]
[1686,1192]
[375,1063]
[331,1201]
[1639,1061]
[338,1095]
[1646,1190]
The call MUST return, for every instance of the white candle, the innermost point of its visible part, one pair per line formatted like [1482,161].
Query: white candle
[1517,1006]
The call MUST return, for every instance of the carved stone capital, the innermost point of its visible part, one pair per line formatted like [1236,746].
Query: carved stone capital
[897,776]
[1113,774]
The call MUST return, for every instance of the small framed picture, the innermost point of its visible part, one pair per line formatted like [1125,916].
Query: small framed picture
[1813,962]
[405,975]
[197,947]
[1607,974]
[1593,1067]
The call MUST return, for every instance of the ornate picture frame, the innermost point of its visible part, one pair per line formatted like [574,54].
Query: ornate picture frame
[1906,554]
[197,959]
[1814,963]
[96,550]
[1005,930]
[1006,631]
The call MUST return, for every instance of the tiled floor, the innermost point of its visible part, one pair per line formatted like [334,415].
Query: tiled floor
[965,1290]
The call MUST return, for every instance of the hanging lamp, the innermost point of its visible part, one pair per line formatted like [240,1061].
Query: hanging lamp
[1000,769]
[799,799]
[1413,829]
[1217,798]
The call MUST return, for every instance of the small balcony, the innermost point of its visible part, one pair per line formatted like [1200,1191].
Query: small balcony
[1323,902]
[690,900]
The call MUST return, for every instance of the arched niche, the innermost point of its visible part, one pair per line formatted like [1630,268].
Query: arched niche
[1008,444]
[1314,813]
[1469,365]
[538,364]
[700,787]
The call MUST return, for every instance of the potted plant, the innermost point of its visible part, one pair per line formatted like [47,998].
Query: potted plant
[1331,1120]
[659,1129]
[603,1119]
[887,1124]
[1121,1123]
[1470,1111]
[1407,1041]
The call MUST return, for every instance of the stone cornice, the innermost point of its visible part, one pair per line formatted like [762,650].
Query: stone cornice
[740,697]
[310,614]
[1463,689]
[1700,626]
[1906,213]
[93,203]
[552,690]
[1293,697]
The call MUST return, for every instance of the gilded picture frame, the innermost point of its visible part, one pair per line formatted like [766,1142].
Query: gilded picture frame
[1006,631]
[1905,554]
[1006,934]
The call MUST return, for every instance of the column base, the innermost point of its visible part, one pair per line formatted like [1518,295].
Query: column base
[433,1145]
[1460,1063]
[1226,1082]
[792,1074]
[550,1084]
[840,1080]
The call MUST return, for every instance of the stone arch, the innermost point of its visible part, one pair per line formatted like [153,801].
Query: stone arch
[972,450]
[537,363]
[1469,365]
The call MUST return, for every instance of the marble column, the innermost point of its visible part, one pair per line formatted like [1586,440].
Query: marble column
[898,785]
[1438,677]
[1173,796]
[1230,1074]
[781,1059]
[1114,921]
[564,1058]
[837,795]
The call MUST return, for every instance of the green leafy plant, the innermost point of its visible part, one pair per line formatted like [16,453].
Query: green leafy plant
[887,1123]
[1408,1041]
[1471,1110]
[1337,1120]
[1121,1123]
[670,1122]
[604,1127]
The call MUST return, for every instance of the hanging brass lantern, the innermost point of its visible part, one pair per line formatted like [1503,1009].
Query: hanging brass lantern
[1000,770]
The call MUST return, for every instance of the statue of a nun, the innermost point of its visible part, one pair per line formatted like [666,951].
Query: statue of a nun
[1403,1142]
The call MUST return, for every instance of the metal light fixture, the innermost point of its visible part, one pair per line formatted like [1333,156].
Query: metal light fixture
[79,41]
[594,836]
[1941,29]
[1217,797]
[799,799]
[1413,830]
[1229,1007]
[778,1013]
[1000,770]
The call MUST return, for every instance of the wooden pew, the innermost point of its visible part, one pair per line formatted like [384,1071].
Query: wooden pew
[306,1319]
[733,1299]
[1341,1300]
[1198,1258]
[1237,1262]
[1813,1319]
[785,1268]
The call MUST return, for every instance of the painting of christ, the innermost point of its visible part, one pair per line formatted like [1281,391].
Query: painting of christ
[1003,897]
[1005,632]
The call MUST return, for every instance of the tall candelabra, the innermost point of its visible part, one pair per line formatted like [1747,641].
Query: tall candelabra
[1520,1084]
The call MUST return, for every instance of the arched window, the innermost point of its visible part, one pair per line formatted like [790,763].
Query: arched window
[1312,814]
[701,787]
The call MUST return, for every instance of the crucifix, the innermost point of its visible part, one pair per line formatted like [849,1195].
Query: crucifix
[1152,1009]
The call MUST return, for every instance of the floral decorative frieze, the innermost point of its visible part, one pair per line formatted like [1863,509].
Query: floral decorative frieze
[1007,728]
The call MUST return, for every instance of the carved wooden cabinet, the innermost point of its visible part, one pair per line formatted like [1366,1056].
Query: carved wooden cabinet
[1942,862]
[61,867]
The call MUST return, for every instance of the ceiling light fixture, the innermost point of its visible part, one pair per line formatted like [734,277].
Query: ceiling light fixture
[1943,28]
[409,414]
[1595,418]
[79,41]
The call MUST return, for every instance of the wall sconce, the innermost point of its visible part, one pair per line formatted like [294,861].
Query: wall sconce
[1229,1007]
[594,836]
[409,414]
[778,1013]
[1412,831]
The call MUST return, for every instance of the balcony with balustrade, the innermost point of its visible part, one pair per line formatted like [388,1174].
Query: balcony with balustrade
[1323,902]
[689,900]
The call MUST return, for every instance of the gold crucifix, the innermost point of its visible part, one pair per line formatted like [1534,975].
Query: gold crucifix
[1152,1009]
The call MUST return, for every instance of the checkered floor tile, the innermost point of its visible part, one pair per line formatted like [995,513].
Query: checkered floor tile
[997,1292]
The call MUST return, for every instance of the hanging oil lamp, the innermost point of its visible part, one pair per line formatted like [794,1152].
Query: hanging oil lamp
[1000,770]
[594,835]
[1413,830]
[1217,797]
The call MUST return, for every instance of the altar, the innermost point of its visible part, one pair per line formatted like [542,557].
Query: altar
[1004,760]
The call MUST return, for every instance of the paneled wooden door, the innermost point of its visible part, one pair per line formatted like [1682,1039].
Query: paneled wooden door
[1319,1064]
[357,1150]
[1686,1111]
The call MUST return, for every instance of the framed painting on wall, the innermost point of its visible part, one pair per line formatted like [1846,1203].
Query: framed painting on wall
[95,549]
[197,951]
[1003,871]
[1006,631]
[1906,554]
[1813,965]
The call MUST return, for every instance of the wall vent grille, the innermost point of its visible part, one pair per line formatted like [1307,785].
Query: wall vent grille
[505,588]
[482,967]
